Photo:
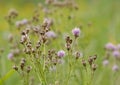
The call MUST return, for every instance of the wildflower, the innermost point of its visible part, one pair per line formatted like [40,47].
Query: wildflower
[24,21]
[68,43]
[90,60]
[110,46]
[22,63]
[10,56]
[94,66]
[105,62]
[15,68]
[61,53]
[116,54]
[48,22]
[84,63]
[115,68]
[76,32]
[78,54]
[29,69]
[51,34]
[13,12]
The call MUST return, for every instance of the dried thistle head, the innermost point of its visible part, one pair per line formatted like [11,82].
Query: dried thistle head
[15,68]
[84,63]
[94,67]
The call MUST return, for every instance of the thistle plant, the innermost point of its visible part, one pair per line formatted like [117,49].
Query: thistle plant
[35,57]
[42,60]
[112,52]
[111,60]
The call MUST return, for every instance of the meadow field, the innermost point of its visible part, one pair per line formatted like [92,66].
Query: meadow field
[59,42]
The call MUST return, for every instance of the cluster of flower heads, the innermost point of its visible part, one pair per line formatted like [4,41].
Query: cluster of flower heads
[112,52]
[64,3]
[32,52]
[12,14]
[91,61]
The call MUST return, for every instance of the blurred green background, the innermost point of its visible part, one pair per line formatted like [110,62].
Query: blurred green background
[104,16]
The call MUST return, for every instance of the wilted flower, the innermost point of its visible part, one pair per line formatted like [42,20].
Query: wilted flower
[110,46]
[115,68]
[105,62]
[94,66]
[76,32]
[78,54]
[61,53]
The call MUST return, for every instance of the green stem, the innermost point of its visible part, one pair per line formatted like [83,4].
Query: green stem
[44,57]
[69,69]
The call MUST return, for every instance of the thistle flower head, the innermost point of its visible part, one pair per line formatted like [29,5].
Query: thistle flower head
[78,54]
[105,62]
[116,53]
[61,53]
[76,32]
[51,34]
[110,46]
[10,56]
[115,68]
[24,21]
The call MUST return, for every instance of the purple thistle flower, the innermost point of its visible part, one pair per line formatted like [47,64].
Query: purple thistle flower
[51,34]
[105,62]
[61,53]
[76,32]
[10,56]
[116,53]
[24,21]
[110,46]
[115,68]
